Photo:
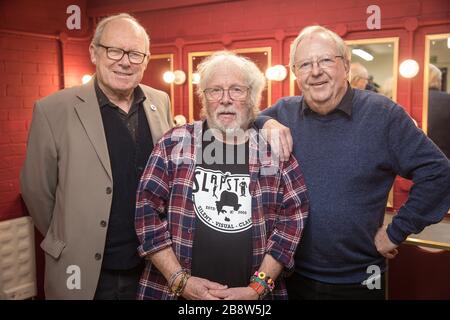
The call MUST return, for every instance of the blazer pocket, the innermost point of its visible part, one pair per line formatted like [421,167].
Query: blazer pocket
[52,246]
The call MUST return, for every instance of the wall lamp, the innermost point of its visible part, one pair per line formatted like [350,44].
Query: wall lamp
[86,78]
[409,68]
[276,73]
[178,77]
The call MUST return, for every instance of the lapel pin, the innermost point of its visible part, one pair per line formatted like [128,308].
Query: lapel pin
[152,106]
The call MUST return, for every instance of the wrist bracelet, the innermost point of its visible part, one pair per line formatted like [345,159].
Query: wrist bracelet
[260,290]
[261,283]
[182,284]
[173,277]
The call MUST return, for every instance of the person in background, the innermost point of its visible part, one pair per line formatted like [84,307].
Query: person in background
[438,111]
[359,77]
[87,148]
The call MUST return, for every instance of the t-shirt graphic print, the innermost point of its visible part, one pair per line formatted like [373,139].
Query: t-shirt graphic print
[222,200]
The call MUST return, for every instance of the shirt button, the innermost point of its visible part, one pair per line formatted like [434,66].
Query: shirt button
[103,223]
[189,230]
[108,190]
[98,256]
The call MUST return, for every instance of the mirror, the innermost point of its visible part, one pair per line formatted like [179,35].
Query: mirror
[262,57]
[436,94]
[436,103]
[380,58]
[153,76]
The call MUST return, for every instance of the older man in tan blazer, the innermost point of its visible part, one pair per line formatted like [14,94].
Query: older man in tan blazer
[86,151]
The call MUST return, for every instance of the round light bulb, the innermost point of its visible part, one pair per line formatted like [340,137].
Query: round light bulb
[195,78]
[276,73]
[168,77]
[86,78]
[409,68]
[180,77]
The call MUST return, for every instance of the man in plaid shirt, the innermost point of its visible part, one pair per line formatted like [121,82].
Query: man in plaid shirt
[206,225]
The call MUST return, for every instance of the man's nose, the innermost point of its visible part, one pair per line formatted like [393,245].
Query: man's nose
[316,69]
[125,61]
[226,99]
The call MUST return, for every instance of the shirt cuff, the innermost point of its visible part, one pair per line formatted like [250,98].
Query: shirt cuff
[396,234]
[150,247]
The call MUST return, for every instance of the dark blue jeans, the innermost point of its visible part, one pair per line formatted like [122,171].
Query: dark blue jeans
[118,284]
[302,288]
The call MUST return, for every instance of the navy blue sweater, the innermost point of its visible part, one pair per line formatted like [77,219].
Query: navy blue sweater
[349,161]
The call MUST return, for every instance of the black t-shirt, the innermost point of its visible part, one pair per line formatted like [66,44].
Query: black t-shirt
[222,248]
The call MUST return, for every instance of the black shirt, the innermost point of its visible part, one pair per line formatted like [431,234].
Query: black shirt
[129,146]
[131,118]
[222,245]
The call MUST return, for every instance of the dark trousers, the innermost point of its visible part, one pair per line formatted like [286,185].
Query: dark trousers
[302,288]
[118,284]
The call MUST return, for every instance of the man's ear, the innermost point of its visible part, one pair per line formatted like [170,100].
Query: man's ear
[92,53]
[146,60]
[347,70]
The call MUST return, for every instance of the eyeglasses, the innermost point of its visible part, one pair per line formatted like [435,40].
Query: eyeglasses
[117,54]
[237,93]
[323,62]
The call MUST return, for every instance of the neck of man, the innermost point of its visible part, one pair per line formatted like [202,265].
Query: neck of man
[329,105]
[121,99]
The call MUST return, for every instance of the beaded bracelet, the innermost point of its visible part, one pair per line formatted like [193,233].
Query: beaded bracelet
[266,278]
[260,290]
[261,283]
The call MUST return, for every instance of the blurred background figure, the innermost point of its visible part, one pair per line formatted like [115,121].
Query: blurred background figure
[359,77]
[386,88]
[372,85]
[438,111]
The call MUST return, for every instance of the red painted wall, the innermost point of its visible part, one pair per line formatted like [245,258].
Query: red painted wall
[36,59]
[30,68]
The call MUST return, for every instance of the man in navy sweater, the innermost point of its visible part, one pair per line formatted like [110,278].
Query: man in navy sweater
[351,144]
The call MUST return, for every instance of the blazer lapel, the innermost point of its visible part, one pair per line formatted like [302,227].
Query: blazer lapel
[153,117]
[88,111]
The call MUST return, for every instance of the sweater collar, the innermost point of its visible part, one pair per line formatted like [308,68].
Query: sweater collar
[344,106]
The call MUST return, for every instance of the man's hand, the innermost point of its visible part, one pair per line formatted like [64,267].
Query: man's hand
[239,293]
[199,289]
[279,137]
[384,245]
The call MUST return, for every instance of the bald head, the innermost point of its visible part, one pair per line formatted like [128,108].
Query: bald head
[115,23]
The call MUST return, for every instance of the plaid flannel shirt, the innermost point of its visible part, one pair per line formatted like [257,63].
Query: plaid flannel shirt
[165,214]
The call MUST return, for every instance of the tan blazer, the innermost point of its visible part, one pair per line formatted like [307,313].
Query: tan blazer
[66,183]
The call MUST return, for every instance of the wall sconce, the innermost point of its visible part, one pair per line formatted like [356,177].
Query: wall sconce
[448,43]
[179,120]
[276,73]
[195,78]
[178,77]
[86,78]
[409,68]
[363,54]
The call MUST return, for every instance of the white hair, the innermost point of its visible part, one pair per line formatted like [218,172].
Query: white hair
[253,77]
[307,31]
